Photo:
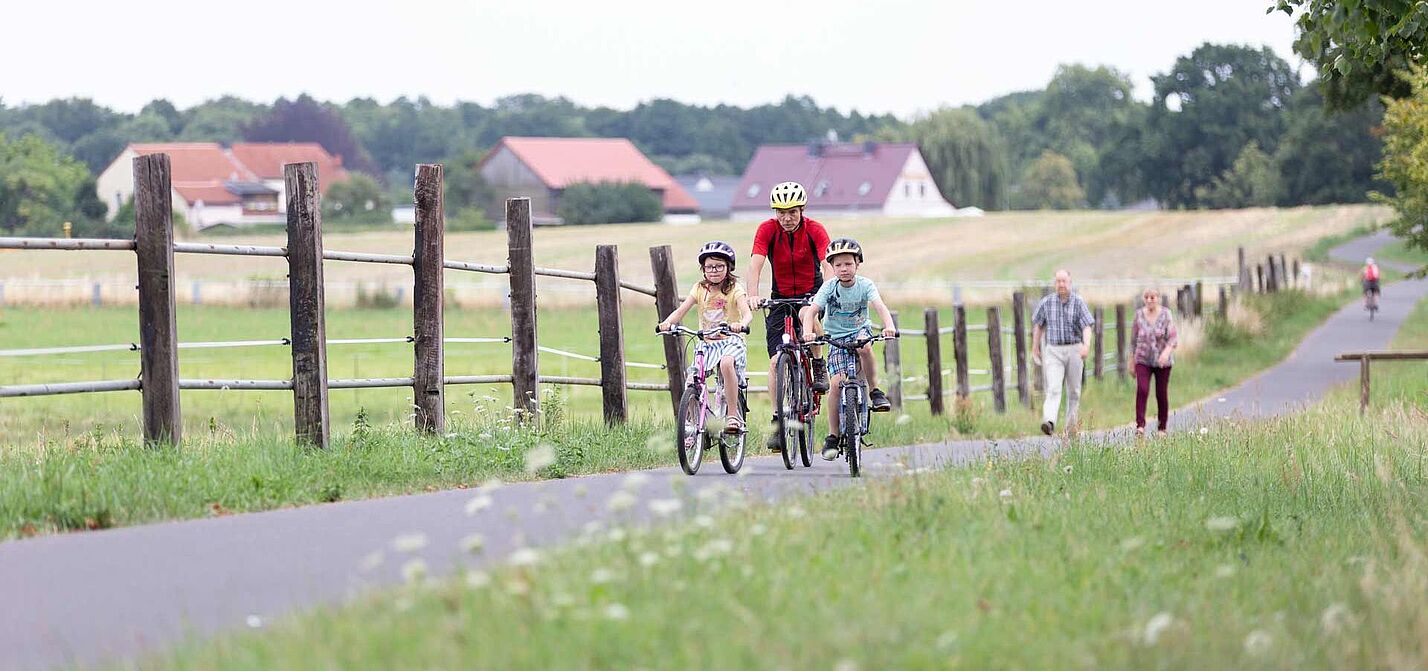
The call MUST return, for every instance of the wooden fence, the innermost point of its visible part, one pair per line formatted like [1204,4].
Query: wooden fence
[159,382]
[1363,358]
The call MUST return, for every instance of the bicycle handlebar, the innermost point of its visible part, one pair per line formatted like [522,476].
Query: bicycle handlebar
[774,302]
[852,345]
[679,329]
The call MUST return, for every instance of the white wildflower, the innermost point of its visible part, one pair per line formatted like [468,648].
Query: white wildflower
[477,579]
[1156,627]
[797,512]
[1225,571]
[539,457]
[1132,544]
[1258,642]
[665,507]
[947,642]
[414,570]
[525,557]
[372,561]
[492,485]
[1005,494]
[473,544]
[1066,469]
[478,503]
[758,529]
[617,535]
[1334,618]
[254,622]
[409,542]
[704,521]
[621,501]
[602,576]
[617,612]
[648,559]
[1222,524]
[1204,430]
[635,480]
[845,665]
[903,419]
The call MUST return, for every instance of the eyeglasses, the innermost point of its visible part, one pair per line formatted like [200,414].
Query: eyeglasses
[715,269]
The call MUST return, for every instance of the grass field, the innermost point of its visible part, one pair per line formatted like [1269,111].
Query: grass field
[1295,543]
[999,246]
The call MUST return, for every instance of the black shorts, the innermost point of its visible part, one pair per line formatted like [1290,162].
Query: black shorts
[1371,285]
[773,325]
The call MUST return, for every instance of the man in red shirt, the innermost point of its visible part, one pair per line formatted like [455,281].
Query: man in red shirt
[793,245]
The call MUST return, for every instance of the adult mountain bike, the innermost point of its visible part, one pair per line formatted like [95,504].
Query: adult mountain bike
[854,411]
[795,404]
[697,411]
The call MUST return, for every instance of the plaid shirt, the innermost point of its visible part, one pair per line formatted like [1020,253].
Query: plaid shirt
[1063,321]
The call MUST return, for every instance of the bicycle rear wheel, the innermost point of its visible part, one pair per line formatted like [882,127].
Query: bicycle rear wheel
[689,437]
[785,402]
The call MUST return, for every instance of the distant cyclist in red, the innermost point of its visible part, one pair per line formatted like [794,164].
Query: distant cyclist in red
[1370,278]
[793,244]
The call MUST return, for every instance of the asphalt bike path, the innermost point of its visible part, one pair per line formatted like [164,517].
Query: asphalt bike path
[95,597]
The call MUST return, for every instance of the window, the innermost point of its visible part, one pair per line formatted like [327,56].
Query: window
[821,189]
[922,189]
[753,190]
[864,188]
[906,190]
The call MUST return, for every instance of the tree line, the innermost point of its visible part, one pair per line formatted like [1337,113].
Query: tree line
[1226,126]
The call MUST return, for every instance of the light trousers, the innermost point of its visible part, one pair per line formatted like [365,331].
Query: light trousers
[1062,364]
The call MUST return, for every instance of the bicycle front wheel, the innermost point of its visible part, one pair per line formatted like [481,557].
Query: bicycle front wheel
[731,445]
[785,402]
[689,431]
[848,413]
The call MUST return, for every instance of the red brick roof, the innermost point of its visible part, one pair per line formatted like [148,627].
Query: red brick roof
[560,162]
[266,160]
[844,169]
[199,169]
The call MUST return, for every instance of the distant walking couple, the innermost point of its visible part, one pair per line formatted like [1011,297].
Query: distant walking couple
[1063,321]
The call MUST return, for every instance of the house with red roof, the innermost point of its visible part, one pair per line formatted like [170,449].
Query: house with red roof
[542,167]
[843,179]
[212,184]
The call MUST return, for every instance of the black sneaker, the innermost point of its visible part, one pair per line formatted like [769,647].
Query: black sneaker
[831,447]
[820,375]
[1048,427]
[774,441]
[879,401]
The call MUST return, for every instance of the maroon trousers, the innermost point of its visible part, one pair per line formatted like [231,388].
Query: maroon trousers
[1143,373]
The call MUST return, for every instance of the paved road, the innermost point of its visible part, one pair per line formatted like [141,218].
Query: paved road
[101,596]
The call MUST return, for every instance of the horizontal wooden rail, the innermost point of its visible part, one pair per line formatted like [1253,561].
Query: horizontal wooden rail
[476,267]
[363,257]
[69,244]
[54,389]
[1381,355]
[228,250]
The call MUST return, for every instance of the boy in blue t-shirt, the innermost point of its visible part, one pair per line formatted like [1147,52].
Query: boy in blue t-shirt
[845,300]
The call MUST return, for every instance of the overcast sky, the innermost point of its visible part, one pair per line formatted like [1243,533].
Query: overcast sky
[897,56]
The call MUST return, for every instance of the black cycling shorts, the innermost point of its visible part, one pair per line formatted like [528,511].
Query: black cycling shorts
[773,325]
[1371,285]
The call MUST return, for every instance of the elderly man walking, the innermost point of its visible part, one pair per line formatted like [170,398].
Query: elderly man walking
[1064,321]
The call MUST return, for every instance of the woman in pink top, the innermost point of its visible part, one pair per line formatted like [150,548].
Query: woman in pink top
[1154,337]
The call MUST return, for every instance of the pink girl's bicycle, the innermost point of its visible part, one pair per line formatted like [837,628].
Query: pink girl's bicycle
[697,411]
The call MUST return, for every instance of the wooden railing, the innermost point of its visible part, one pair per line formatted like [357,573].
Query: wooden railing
[1365,357]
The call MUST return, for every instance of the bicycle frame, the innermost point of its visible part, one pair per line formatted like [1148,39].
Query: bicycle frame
[800,352]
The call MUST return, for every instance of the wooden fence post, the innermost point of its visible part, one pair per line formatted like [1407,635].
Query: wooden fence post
[1259,274]
[525,358]
[1023,389]
[959,350]
[1285,281]
[1244,277]
[1199,299]
[1121,334]
[934,361]
[666,300]
[1224,308]
[307,302]
[428,300]
[1295,276]
[892,365]
[994,354]
[1098,335]
[1271,281]
[612,336]
[1363,384]
[158,328]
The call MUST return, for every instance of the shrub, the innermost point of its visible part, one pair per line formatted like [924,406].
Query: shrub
[609,203]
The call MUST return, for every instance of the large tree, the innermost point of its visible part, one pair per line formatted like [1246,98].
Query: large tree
[40,189]
[1405,160]
[964,153]
[1206,109]
[1327,156]
[307,120]
[1360,46]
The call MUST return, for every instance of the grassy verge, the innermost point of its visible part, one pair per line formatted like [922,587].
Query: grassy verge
[1399,251]
[1296,543]
[100,477]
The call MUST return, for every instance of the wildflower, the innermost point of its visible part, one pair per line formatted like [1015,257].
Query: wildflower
[1132,544]
[617,612]
[372,561]
[659,444]
[1225,571]
[254,622]
[539,457]
[1156,626]
[1334,618]
[617,535]
[758,529]
[414,571]
[602,576]
[947,642]
[797,512]
[704,521]
[524,557]
[621,501]
[492,485]
[1204,430]
[409,542]
[1222,524]
[477,579]
[1258,642]
[477,504]
[1005,494]
[473,544]
[845,665]
[648,559]
[665,507]
[903,419]
[635,480]
[1066,469]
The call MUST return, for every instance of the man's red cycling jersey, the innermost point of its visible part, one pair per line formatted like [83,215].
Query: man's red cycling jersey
[796,257]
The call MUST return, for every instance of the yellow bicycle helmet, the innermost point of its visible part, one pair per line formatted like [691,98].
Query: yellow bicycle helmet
[788,195]
[843,246]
